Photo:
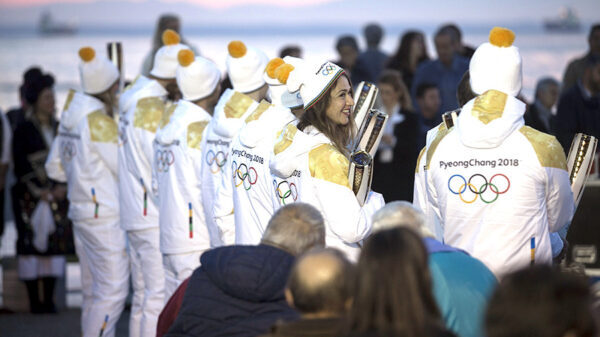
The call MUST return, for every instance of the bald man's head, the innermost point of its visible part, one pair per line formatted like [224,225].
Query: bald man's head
[320,283]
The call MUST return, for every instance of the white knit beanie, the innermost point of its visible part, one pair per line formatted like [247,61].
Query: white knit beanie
[312,79]
[497,64]
[165,59]
[197,77]
[279,92]
[245,66]
[97,73]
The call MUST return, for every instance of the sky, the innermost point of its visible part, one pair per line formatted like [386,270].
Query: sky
[293,12]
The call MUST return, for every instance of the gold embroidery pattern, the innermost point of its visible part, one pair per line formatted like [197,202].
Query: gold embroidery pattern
[69,99]
[148,113]
[237,105]
[547,148]
[262,107]
[419,159]
[166,116]
[327,163]
[489,106]
[434,144]
[285,139]
[194,134]
[103,129]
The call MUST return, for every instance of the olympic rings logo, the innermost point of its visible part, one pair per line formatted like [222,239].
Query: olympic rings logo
[68,150]
[164,159]
[285,190]
[327,70]
[473,183]
[247,175]
[215,160]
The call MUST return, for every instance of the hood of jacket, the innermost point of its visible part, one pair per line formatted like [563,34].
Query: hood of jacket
[140,88]
[77,106]
[185,113]
[486,121]
[252,273]
[291,145]
[264,124]
[231,112]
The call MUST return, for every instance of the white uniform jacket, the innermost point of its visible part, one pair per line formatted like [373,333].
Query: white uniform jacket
[247,185]
[229,117]
[498,187]
[307,167]
[142,106]
[176,170]
[84,155]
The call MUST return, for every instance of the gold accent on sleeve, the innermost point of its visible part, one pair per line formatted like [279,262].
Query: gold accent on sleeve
[262,107]
[327,163]
[194,134]
[103,129]
[285,139]
[148,113]
[434,144]
[166,116]
[419,159]
[130,85]
[489,106]
[548,150]
[237,105]
[69,99]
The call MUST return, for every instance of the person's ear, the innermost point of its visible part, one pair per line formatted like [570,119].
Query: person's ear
[289,298]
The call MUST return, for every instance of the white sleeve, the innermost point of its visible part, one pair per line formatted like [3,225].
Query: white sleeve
[223,205]
[560,204]
[53,166]
[154,186]
[143,146]
[108,153]
[420,192]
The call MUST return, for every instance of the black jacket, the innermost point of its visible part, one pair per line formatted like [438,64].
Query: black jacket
[576,113]
[237,291]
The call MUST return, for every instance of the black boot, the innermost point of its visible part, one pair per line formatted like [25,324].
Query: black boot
[48,305]
[35,306]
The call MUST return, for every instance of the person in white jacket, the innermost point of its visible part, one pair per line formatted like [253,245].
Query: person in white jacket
[498,188]
[184,234]
[84,155]
[246,185]
[245,67]
[311,160]
[142,106]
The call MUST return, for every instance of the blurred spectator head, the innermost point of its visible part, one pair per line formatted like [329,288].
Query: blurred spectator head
[546,92]
[321,283]
[411,51]
[428,99]
[591,75]
[347,48]
[165,21]
[28,76]
[463,91]
[393,291]
[373,34]
[393,91]
[594,40]
[291,50]
[457,33]
[296,228]
[400,214]
[446,44]
[541,302]
[38,92]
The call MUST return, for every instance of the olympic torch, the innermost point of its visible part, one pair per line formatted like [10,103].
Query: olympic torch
[450,117]
[579,162]
[115,54]
[364,98]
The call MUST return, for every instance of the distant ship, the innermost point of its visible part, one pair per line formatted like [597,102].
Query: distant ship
[47,26]
[567,21]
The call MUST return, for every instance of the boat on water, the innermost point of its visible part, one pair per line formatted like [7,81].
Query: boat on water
[567,21]
[48,26]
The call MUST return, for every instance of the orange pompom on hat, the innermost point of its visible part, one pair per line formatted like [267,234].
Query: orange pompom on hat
[245,66]
[278,91]
[197,77]
[165,59]
[497,64]
[97,73]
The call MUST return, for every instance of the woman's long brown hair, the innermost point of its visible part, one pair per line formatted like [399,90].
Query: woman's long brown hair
[342,136]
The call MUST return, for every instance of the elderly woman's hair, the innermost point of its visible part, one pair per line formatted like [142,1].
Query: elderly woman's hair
[401,214]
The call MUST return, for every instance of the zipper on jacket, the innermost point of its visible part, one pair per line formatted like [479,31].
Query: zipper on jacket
[191,220]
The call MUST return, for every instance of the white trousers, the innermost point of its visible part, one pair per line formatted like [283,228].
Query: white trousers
[178,267]
[148,280]
[101,247]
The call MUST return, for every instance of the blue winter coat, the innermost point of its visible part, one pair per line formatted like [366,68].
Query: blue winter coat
[237,291]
